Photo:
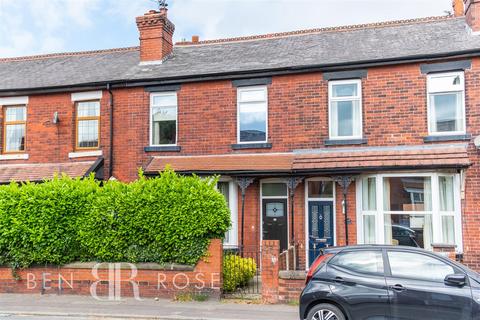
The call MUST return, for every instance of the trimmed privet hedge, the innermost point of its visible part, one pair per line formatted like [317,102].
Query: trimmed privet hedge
[170,218]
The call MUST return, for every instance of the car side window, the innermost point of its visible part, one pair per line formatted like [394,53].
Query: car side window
[360,261]
[418,266]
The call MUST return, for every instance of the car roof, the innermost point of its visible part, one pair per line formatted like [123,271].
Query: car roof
[373,246]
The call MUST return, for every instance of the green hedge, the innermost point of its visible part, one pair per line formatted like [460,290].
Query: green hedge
[170,218]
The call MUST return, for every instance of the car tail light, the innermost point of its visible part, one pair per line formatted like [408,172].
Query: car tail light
[316,265]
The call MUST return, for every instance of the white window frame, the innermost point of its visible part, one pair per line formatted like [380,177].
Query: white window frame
[233,206]
[358,98]
[435,212]
[431,111]
[163,94]
[239,103]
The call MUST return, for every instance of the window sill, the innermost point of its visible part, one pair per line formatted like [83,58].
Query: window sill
[242,146]
[14,156]
[330,142]
[163,149]
[84,154]
[456,137]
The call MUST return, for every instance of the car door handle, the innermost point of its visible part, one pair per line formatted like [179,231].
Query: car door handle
[339,280]
[398,288]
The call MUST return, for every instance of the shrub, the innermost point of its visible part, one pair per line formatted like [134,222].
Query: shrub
[237,271]
[170,218]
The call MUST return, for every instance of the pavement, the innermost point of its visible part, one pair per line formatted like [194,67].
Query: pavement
[55,307]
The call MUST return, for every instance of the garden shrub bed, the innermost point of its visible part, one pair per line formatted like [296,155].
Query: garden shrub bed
[167,219]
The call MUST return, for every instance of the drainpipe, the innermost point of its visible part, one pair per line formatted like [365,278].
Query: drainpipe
[110,164]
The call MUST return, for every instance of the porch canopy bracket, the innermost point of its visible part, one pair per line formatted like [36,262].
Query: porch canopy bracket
[243,183]
[345,182]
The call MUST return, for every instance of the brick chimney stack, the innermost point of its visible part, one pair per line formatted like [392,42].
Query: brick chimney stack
[458,9]
[472,14]
[156,35]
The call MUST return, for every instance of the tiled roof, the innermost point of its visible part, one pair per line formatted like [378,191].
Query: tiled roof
[325,160]
[224,163]
[41,171]
[327,47]
[439,155]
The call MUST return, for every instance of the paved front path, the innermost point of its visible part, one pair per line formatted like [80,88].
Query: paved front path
[37,307]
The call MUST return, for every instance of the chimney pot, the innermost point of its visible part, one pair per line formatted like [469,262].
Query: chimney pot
[195,39]
[163,11]
[458,9]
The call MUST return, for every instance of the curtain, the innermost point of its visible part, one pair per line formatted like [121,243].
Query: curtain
[386,207]
[448,229]
[369,194]
[446,193]
[427,228]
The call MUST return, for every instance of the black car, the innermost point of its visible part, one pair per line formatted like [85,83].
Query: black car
[388,282]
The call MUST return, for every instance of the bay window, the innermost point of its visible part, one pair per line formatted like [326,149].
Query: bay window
[229,190]
[345,109]
[415,210]
[446,103]
[163,119]
[252,114]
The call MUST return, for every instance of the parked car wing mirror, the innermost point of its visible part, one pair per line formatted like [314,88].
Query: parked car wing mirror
[458,280]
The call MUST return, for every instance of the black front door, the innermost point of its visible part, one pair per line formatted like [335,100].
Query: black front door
[275,221]
[320,227]
[417,290]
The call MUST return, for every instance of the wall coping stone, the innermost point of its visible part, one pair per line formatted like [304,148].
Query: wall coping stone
[292,275]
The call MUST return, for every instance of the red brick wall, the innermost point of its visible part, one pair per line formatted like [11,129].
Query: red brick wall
[205,278]
[394,113]
[270,253]
[47,142]
[289,290]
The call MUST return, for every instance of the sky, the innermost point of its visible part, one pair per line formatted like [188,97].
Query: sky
[29,27]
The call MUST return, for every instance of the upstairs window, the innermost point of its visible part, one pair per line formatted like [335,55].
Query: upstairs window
[446,103]
[15,120]
[345,109]
[88,125]
[252,114]
[163,122]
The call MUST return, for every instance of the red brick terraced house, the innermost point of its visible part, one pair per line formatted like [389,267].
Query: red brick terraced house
[333,136]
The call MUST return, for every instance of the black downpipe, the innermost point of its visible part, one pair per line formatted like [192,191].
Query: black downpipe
[111,102]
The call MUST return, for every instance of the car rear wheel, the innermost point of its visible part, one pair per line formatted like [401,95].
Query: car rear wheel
[325,311]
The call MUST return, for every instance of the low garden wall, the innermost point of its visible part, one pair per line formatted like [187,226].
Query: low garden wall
[112,281]
[279,286]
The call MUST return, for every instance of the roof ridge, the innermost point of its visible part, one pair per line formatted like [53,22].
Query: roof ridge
[319,30]
[67,54]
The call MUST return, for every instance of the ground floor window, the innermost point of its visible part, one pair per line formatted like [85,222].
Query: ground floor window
[415,209]
[229,191]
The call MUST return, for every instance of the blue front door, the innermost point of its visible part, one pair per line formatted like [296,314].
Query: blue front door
[320,227]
